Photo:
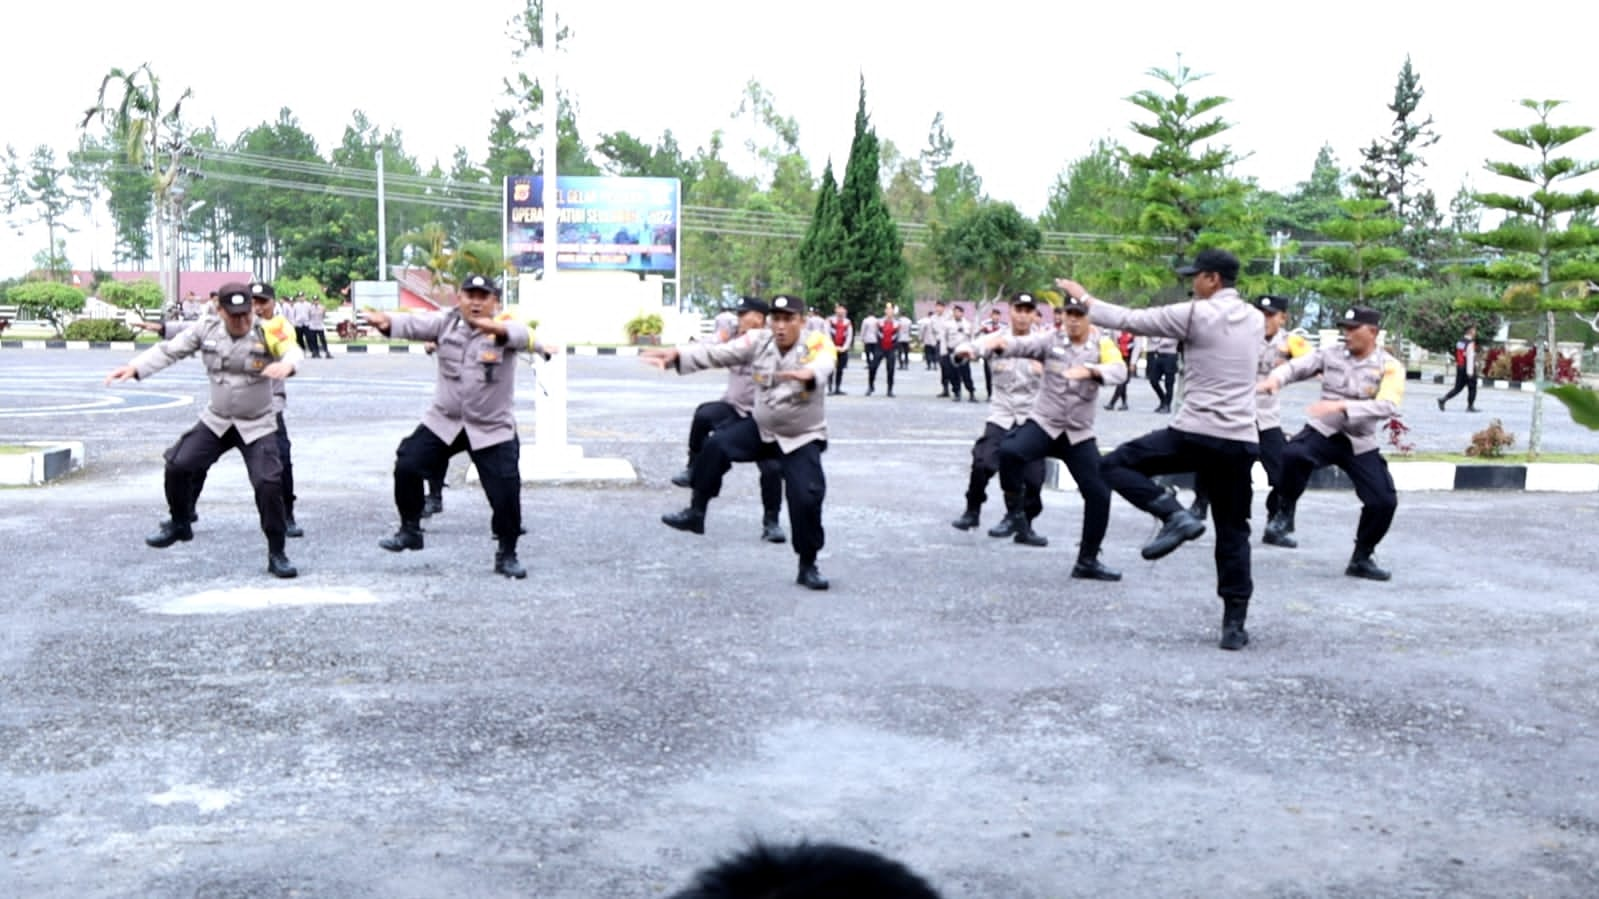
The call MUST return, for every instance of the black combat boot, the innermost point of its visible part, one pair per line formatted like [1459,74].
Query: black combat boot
[968,519]
[1361,564]
[169,533]
[505,561]
[1233,635]
[278,564]
[432,504]
[1180,527]
[409,536]
[1089,568]
[691,519]
[1013,510]
[1025,535]
[1277,528]
[685,478]
[771,531]
[809,577]
[290,528]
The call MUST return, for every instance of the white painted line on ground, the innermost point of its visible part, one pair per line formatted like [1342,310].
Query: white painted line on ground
[252,599]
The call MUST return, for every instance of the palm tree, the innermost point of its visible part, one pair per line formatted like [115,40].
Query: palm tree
[145,131]
[429,247]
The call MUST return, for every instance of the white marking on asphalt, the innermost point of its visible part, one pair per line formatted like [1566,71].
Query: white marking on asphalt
[253,599]
[105,406]
[206,799]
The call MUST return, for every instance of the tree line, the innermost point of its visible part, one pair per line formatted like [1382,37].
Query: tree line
[897,226]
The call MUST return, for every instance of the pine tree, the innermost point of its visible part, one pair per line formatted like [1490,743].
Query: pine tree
[1364,262]
[1391,170]
[875,271]
[1545,242]
[821,253]
[1186,198]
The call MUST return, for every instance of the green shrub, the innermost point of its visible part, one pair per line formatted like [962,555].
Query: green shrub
[644,325]
[47,301]
[1435,325]
[98,329]
[132,294]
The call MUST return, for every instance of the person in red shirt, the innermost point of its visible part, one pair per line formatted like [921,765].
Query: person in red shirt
[842,331]
[882,332]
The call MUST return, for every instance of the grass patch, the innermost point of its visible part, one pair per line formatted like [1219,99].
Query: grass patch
[10,449]
[1506,459]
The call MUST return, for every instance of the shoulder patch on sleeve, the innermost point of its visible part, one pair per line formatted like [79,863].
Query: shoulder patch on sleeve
[815,345]
[1108,353]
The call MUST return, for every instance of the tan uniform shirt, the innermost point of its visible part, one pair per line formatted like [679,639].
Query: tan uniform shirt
[902,330]
[740,393]
[1282,348]
[1222,336]
[1065,406]
[789,413]
[1372,388]
[241,396]
[871,331]
[476,382]
[1016,380]
[954,334]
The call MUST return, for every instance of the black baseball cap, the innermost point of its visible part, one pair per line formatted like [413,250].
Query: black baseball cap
[1268,303]
[787,302]
[262,291]
[751,304]
[1219,261]
[1024,299]
[1356,316]
[234,299]
[481,283]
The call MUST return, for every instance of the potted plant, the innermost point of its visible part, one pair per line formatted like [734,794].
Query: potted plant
[645,329]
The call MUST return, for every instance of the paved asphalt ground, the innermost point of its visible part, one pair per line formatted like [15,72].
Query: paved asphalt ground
[177,723]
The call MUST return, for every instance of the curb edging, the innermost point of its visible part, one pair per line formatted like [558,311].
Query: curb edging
[51,461]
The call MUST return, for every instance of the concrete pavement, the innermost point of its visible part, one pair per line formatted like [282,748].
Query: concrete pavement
[176,723]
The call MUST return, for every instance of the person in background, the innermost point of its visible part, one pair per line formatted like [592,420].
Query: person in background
[1465,371]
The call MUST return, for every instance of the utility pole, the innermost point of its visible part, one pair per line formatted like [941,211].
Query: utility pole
[383,231]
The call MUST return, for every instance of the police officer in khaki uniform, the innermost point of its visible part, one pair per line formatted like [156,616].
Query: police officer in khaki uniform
[736,403]
[789,423]
[927,332]
[1280,346]
[243,362]
[471,411]
[956,332]
[1077,359]
[1361,387]
[1212,435]
[1017,379]
[871,349]
[1160,366]
[902,338]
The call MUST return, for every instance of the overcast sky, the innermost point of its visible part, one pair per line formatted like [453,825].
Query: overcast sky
[1025,87]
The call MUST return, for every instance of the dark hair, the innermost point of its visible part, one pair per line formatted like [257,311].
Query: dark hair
[807,871]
